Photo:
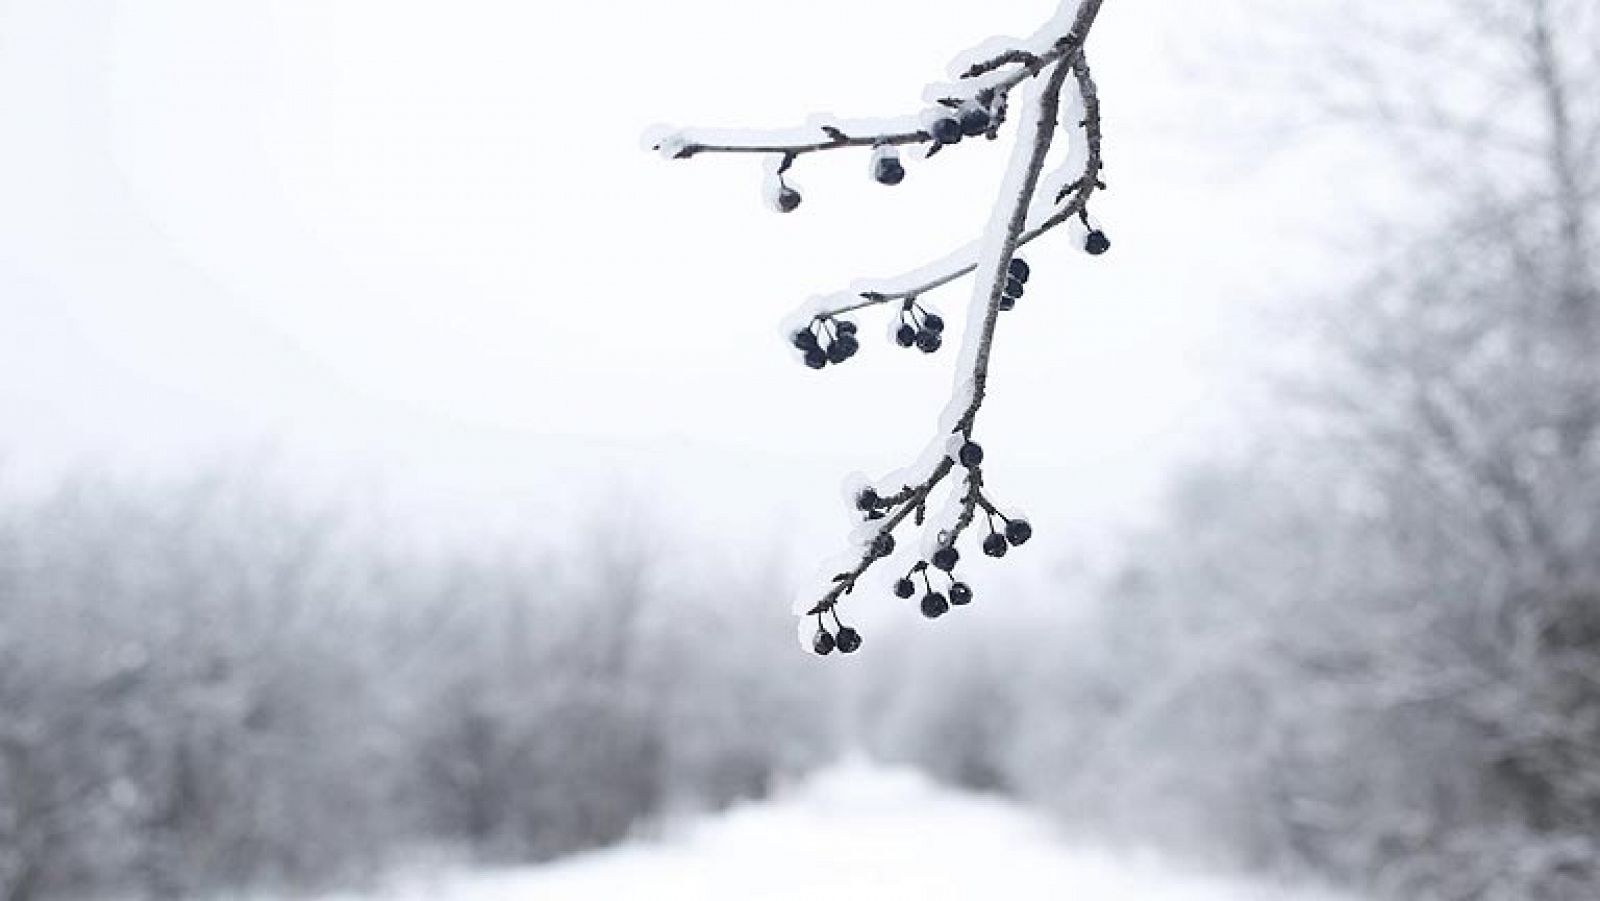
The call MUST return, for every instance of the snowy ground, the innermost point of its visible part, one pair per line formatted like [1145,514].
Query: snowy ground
[856,831]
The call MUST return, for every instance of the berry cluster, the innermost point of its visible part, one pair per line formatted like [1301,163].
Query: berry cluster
[827,339]
[1017,275]
[933,604]
[1004,533]
[919,328]
[1014,533]
[971,119]
[844,638]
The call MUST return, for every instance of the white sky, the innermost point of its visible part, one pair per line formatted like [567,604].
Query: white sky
[412,253]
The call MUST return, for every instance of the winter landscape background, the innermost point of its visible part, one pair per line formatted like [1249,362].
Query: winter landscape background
[404,481]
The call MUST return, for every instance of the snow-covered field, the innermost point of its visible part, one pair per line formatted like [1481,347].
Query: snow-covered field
[856,831]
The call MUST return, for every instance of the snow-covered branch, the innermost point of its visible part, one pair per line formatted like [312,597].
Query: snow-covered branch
[1030,205]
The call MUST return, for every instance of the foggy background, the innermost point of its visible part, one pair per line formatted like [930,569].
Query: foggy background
[396,460]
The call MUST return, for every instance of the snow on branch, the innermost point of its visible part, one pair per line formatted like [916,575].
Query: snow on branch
[1030,204]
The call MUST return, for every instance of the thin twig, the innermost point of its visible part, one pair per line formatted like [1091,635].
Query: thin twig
[684,144]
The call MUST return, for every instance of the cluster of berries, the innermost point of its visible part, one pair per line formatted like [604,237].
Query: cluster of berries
[1017,275]
[826,340]
[919,328]
[934,604]
[970,120]
[846,639]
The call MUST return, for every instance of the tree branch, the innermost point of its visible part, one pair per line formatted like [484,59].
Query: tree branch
[975,105]
[1010,231]
[835,135]
[1077,203]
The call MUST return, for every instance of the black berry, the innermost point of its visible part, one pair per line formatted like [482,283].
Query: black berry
[823,642]
[888,171]
[946,558]
[867,500]
[933,322]
[803,339]
[928,342]
[995,545]
[946,130]
[1018,531]
[971,454]
[816,358]
[788,199]
[845,327]
[974,121]
[934,605]
[1097,243]
[1008,303]
[843,348]
[905,336]
[960,594]
[1019,269]
[849,640]
[1014,288]
[883,545]
[905,588]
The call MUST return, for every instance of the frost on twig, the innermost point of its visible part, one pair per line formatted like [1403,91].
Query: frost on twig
[978,103]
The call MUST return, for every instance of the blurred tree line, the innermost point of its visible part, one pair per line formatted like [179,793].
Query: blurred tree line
[1370,649]
[202,687]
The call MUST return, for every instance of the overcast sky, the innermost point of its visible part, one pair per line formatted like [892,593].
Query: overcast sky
[412,254]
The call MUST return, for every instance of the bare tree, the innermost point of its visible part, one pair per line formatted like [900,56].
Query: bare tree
[1406,594]
[1030,205]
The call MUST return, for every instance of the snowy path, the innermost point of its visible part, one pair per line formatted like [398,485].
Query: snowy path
[853,832]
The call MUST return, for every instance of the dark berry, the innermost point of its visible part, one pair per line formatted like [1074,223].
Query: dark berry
[934,605]
[905,588]
[1014,288]
[816,358]
[788,199]
[928,342]
[843,348]
[883,545]
[1097,243]
[845,327]
[995,545]
[945,558]
[905,336]
[1008,303]
[849,640]
[960,594]
[823,642]
[933,322]
[974,121]
[867,500]
[1019,269]
[803,339]
[971,454]
[946,130]
[1018,531]
[888,171]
